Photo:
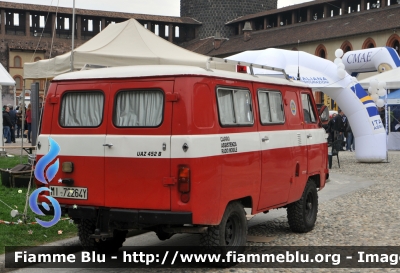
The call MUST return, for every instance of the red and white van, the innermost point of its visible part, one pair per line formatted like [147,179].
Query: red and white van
[177,149]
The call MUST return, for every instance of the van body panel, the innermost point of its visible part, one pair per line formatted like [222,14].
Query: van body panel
[81,145]
[140,158]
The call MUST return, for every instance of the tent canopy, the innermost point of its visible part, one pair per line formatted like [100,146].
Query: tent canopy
[391,77]
[7,80]
[122,44]
[5,77]
[393,98]
[394,94]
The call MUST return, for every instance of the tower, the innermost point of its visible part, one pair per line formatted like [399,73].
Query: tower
[213,14]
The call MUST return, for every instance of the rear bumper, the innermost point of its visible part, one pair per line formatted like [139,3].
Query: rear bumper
[135,217]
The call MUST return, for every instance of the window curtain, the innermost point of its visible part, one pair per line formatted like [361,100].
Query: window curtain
[226,110]
[82,109]
[264,107]
[139,108]
[276,107]
[242,107]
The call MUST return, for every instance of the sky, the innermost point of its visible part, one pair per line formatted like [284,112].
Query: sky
[154,7]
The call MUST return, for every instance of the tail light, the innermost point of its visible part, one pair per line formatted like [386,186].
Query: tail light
[184,183]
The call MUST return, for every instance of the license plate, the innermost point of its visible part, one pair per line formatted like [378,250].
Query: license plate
[69,192]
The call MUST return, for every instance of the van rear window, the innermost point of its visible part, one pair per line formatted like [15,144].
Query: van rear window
[139,108]
[82,109]
[234,106]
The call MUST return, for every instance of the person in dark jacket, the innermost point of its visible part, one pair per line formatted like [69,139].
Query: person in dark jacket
[340,127]
[7,125]
[349,139]
[331,128]
[13,117]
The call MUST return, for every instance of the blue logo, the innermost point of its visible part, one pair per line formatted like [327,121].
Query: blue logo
[45,177]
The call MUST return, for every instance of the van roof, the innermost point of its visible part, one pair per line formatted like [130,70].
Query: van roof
[139,71]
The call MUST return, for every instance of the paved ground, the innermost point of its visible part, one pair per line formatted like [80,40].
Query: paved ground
[358,207]
[16,148]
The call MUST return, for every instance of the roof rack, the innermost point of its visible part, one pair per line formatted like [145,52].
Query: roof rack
[250,65]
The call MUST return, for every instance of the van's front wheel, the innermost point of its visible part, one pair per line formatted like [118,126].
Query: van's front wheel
[86,228]
[231,232]
[302,214]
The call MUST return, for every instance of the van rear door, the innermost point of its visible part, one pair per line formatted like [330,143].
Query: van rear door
[78,125]
[137,146]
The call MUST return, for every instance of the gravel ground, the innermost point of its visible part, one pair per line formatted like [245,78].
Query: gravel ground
[367,217]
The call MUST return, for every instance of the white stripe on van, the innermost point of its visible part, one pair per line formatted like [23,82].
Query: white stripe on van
[198,145]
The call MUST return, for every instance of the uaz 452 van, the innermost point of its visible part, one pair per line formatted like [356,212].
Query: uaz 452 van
[176,149]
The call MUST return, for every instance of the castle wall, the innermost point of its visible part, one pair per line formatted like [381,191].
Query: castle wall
[213,14]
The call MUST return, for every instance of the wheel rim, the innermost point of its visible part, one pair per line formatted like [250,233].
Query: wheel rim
[310,206]
[231,229]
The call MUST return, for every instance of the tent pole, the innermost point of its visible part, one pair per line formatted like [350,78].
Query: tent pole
[23,120]
[1,117]
[15,97]
[73,36]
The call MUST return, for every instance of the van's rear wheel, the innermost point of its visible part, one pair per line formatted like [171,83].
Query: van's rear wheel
[231,232]
[302,214]
[86,228]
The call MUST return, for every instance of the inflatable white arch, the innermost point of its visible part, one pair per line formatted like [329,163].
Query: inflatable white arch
[378,59]
[321,74]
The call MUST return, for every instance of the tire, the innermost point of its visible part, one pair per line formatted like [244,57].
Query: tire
[231,232]
[110,245]
[302,214]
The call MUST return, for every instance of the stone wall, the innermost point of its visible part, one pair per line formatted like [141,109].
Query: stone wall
[213,14]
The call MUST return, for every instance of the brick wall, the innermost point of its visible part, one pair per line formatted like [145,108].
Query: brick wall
[213,14]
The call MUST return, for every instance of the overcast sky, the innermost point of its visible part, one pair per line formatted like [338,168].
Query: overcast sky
[156,7]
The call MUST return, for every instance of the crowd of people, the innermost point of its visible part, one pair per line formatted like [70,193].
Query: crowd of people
[340,132]
[13,123]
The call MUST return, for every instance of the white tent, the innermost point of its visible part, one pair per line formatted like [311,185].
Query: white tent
[122,44]
[391,77]
[5,80]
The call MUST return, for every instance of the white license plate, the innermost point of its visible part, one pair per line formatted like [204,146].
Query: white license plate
[69,192]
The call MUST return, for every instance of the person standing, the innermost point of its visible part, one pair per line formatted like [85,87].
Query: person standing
[349,138]
[19,121]
[7,125]
[340,128]
[13,117]
[331,129]
[29,121]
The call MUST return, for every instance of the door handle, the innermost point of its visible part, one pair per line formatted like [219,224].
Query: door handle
[265,139]
[108,145]
[309,135]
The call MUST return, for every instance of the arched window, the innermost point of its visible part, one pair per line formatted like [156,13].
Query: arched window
[17,61]
[346,46]
[37,59]
[321,51]
[369,43]
[394,42]
[18,82]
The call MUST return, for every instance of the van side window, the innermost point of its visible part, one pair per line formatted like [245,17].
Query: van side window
[234,106]
[139,108]
[271,107]
[308,110]
[82,109]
